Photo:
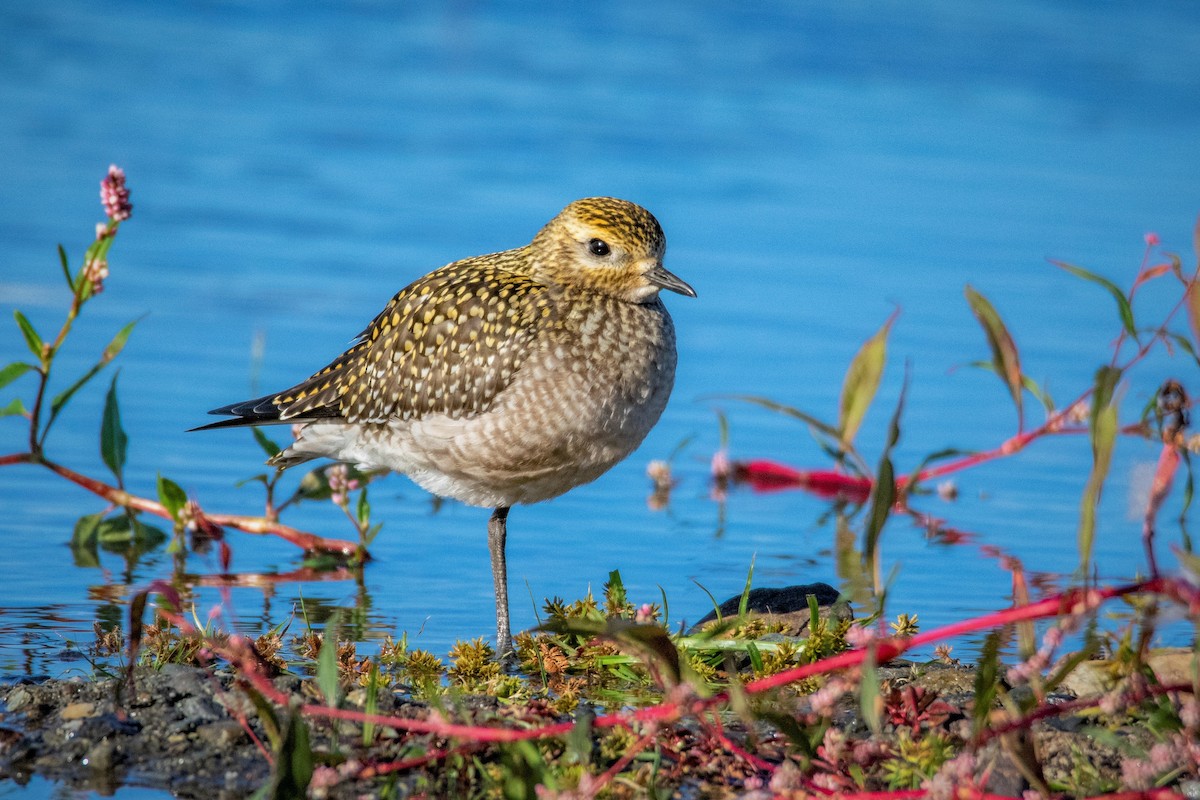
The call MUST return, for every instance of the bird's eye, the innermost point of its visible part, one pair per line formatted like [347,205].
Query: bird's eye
[598,247]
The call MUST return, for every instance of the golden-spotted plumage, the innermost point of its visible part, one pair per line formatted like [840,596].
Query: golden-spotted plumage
[502,379]
[446,344]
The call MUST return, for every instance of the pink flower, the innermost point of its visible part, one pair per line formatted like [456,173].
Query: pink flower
[858,636]
[114,195]
[339,483]
[95,271]
[1151,239]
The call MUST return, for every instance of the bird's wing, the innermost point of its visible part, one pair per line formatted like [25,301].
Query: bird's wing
[448,343]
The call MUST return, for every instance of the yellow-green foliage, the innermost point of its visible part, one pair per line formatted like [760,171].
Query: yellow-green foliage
[474,664]
[916,759]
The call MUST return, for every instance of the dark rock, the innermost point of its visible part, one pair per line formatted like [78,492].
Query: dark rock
[1004,777]
[787,605]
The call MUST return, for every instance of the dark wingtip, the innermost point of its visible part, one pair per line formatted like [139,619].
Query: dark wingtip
[259,411]
[226,423]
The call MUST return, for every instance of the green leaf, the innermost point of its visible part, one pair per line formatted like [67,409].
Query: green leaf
[86,531]
[293,761]
[1029,384]
[14,408]
[14,371]
[363,511]
[579,740]
[615,598]
[1004,351]
[1123,308]
[110,352]
[883,492]
[1184,344]
[125,534]
[32,340]
[62,398]
[716,606]
[870,700]
[1102,427]
[861,383]
[771,405]
[987,675]
[756,662]
[327,666]
[371,707]
[114,347]
[744,603]
[113,440]
[66,267]
[268,446]
[172,497]
[814,424]
[1192,296]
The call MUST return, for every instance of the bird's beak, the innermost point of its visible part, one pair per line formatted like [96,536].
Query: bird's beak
[661,277]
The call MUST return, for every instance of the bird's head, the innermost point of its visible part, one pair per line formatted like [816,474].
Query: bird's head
[608,245]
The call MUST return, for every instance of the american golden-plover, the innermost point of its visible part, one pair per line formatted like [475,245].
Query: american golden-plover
[501,379]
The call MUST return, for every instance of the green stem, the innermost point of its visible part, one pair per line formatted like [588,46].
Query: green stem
[82,292]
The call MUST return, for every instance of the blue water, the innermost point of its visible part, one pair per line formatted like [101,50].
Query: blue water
[815,167]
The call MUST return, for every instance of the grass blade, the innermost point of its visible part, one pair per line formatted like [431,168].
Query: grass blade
[327,665]
[780,408]
[861,383]
[987,676]
[66,267]
[883,493]
[744,603]
[1192,296]
[1124,309]
[1004,350]
[1031,385]
[870,699]
[1102,427]
[111,351]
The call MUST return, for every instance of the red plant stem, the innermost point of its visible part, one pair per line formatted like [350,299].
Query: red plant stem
[1058,709]
[257,525]
[1055,422]
[388,767]
[970,793]
[717,731]
[887,649]
[1075,601]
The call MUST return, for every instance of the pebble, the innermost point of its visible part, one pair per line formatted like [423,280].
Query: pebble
[78,711]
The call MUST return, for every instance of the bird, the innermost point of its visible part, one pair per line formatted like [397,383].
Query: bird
[501,379]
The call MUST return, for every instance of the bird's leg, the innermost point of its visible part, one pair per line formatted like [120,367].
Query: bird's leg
[497,532]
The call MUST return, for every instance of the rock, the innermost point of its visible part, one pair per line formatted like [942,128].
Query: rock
[225,733]
[1172,666]
[787,605]
[100,756]
[77,711]
[200,710]
[18,699]
[1004,778]
[1089,678]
